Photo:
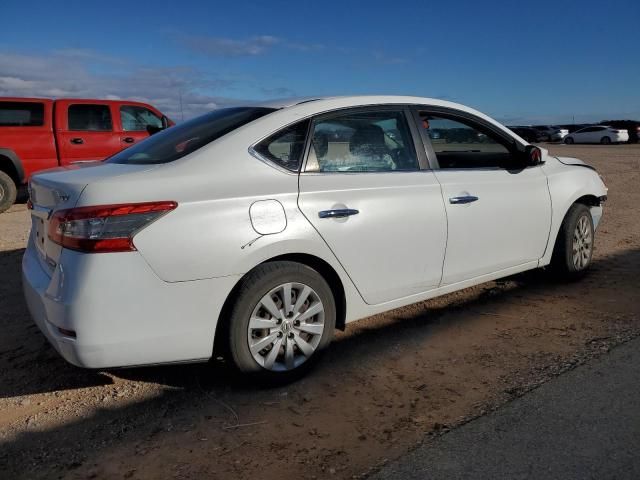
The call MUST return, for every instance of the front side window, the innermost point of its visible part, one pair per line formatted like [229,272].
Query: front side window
[176,142]
[21,114]
[137,119]
[286,147]
[367,141]
[458,144]
[92,118]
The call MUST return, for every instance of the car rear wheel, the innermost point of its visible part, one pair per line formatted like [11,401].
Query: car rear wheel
[568,140]
[283,317]
[8,192]
[573,250]
[605,140]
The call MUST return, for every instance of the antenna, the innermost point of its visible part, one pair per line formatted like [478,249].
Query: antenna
[181,110]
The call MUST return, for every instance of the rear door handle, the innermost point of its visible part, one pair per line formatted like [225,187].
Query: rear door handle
[77,141]
[338,213]
[463,199]
[128,139]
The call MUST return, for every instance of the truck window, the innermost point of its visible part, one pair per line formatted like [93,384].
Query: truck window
[96,118]
[136,119]
[21,114]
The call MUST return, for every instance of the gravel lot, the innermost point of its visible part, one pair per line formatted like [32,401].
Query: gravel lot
[386,382]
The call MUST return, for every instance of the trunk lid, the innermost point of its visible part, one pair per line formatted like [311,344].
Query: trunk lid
[59,189]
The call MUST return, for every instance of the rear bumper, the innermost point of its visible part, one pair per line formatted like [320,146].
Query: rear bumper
[122,314]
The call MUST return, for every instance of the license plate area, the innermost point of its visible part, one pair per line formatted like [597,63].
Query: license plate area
[40,234]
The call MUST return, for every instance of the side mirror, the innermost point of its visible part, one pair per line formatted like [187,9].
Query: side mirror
[152,129]
[532,156]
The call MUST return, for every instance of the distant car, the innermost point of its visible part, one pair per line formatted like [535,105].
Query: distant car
[256,230]
[531,135]
[598,134]
[551,133]
[631,126]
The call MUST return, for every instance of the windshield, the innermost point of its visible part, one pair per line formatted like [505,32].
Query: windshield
[181,140]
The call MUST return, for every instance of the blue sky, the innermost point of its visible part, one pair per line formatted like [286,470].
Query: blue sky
[542,61]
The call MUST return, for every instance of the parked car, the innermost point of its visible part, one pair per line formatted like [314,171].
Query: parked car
[37,133]
[531,135]
[257,232]
[631,126]
[551,133]
[598,134]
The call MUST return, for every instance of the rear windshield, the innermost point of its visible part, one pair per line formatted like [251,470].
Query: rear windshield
[21,114]
[187,137]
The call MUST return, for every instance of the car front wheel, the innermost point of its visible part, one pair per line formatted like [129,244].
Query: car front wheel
[574,246]
[605,140]
[283,317]
[568,140]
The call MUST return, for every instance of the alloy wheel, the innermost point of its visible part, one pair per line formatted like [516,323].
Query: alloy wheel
[286,327]
[582,243]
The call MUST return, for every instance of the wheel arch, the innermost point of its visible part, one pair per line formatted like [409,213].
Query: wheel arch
[330,275]
[589,200]
[11,165]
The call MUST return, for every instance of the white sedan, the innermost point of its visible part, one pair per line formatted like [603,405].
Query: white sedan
[260,230]
[598,134]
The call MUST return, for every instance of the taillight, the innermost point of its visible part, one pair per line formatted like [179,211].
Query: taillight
[104,228]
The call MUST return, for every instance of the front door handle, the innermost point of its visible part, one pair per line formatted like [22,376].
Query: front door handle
[338,213]
[77,141]
[463,199]
[128,139]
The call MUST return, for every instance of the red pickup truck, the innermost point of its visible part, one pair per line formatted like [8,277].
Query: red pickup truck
[37,133]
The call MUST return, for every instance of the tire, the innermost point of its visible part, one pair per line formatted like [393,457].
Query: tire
[605,141]
[251,324]
[8,192]
[573,251]
[568,140]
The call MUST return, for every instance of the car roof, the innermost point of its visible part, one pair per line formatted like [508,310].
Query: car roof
[356,100]
[294,109]
[315,105]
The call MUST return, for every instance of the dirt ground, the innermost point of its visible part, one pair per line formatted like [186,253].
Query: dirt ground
[386,382]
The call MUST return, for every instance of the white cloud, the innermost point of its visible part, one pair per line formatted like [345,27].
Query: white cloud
[70,73]
[247,47]
[228,47]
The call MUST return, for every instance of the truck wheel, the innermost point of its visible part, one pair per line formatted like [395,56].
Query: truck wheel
[284,316]
[573,250]
[8,191]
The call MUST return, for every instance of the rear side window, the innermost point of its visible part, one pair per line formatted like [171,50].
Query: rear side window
[366,141]
[137,119]
[176,142]
[286,147]
[94,118]
[21,114]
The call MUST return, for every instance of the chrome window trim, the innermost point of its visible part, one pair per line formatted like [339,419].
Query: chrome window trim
[254,153]
[271,163]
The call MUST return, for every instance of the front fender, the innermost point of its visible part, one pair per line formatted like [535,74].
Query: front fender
[567,184]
